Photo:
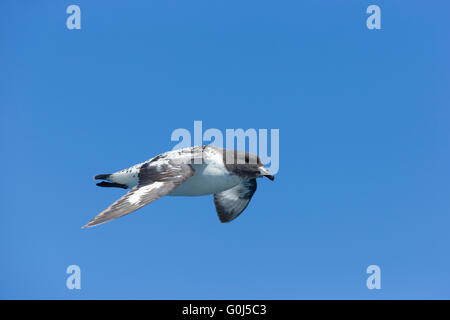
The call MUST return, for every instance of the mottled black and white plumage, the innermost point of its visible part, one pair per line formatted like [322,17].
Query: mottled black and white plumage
[228,174]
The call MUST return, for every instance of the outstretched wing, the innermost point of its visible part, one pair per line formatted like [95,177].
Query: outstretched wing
[230,203]
[155,181]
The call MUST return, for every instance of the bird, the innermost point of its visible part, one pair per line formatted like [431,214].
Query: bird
[230,175]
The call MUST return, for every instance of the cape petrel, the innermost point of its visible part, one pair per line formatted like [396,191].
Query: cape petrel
[228,174]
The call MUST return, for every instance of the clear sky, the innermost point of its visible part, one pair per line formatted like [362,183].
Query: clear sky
[364,147]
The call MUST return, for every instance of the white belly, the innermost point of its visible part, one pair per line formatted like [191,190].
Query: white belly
[208,179]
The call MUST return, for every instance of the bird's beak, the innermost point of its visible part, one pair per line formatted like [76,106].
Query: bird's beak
[265,173]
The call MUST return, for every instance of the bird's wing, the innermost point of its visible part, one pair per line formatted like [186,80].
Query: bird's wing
[230,203]
[155,181]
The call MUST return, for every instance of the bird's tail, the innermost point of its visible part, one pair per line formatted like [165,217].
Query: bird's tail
[108,184]
[102,176]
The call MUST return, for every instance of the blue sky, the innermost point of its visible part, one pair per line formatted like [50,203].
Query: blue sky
[364,158]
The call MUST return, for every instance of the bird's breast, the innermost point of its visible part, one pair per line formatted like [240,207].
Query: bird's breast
[208,179]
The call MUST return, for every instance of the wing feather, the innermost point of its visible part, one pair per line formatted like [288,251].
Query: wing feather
[155,181]
[230,203]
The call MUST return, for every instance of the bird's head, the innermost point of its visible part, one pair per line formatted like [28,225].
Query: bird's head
[264,172]
[246,164]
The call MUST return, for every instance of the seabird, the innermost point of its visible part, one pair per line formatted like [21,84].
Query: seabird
[195,171]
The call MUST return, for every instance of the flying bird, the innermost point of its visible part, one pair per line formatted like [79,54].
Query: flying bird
[195,171]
